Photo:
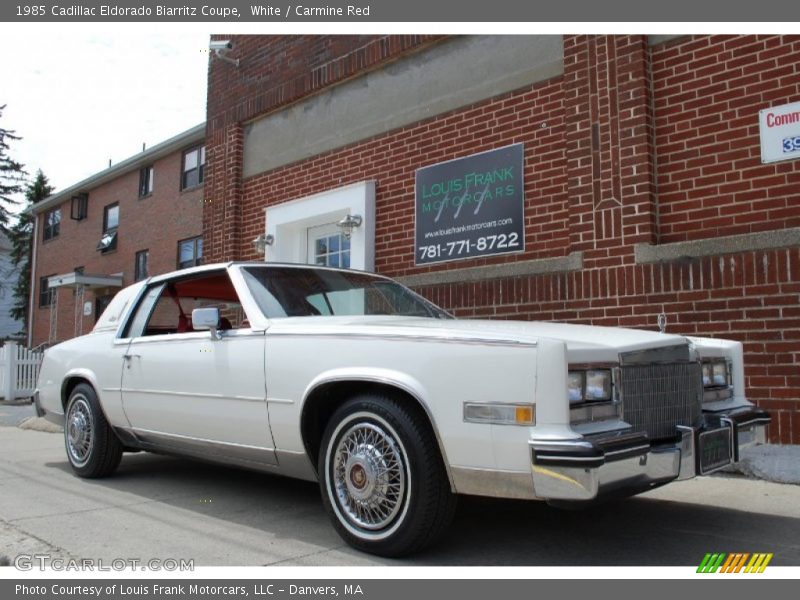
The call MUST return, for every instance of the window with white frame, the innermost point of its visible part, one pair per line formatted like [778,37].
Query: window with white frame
[140,270]
[146,181]
[79,207]
[193,171]
[328,246]
[52,224]
[108,241]
[190,253]
[45,291]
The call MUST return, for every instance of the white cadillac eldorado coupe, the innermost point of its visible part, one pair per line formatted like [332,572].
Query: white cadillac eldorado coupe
[352,380]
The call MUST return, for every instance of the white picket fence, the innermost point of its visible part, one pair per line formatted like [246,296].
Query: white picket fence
[19,368]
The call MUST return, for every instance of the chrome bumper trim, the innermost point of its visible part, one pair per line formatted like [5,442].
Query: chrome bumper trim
[584,469]
[493,483]
[54,418]
[37,404]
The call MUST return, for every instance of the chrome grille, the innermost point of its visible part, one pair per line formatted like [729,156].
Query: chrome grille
[658,397]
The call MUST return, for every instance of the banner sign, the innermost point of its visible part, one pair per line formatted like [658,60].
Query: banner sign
[264,587]
[387,11]
[470,207]
[780,132]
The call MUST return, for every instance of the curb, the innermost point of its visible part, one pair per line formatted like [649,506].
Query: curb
[40,424]
[18,402]
[769,462]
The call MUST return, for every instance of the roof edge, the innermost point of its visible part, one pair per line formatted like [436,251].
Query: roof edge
[195,134]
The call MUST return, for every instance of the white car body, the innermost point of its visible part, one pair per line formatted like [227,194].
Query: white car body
[243,396]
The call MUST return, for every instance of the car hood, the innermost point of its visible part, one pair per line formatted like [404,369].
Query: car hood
[585,343]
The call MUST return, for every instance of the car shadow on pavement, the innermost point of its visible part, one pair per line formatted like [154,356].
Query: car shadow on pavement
[489,532]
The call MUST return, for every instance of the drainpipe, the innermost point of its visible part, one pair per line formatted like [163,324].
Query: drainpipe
[34,239]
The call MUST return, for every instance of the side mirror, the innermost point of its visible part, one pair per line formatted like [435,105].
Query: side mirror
[206,318]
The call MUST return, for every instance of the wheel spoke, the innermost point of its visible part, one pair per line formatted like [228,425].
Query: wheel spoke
[79,432]
[368,475]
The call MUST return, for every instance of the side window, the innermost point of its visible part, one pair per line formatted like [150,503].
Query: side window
[136,325]
[167,309]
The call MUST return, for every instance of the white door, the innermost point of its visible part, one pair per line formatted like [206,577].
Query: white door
[182,389]
[328,247]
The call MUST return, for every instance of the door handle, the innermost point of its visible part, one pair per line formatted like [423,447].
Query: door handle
[128,357]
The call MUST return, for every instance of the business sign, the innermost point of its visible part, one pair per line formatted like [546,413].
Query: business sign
[470,207]
[780,132]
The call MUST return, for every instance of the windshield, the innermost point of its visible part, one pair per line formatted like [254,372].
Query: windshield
[295,292]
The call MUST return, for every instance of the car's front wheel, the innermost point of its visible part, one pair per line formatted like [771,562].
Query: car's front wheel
[382,478]
[93,449]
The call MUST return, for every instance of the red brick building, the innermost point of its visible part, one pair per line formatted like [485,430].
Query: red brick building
[644,188]
[140,217]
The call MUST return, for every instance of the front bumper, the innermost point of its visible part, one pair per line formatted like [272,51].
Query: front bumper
[55,418]
[589,468]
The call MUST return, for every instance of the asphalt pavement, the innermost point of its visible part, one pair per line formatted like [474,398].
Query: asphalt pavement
[163,507]
[12,415]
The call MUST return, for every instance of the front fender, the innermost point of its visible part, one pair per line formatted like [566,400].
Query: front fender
[734,351]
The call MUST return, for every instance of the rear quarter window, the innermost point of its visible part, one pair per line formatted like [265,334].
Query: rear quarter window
[114,313]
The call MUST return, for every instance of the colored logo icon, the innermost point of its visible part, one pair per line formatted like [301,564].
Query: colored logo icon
[738,562]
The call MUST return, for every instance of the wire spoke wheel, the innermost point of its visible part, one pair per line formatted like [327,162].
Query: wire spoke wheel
[93,450]
[79,430]
[382,478]
[369,476]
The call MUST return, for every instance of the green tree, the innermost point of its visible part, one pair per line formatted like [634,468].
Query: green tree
[12,175]
[21,236]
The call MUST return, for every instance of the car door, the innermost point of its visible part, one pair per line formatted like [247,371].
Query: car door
[186,391]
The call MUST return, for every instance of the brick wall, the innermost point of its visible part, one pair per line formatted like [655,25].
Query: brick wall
[708,91]
[533,116]
[155,223]
[633,144]
[275,71]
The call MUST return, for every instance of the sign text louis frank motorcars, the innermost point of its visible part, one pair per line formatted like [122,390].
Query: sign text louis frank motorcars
[470,207]
[780,132]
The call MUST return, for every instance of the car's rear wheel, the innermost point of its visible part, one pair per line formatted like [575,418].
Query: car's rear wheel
[382,477]
[92,448]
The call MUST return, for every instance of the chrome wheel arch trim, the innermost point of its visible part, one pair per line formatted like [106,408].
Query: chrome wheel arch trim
[389,379]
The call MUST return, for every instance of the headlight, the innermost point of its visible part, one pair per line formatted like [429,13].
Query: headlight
[575,387]
[715,373]
[589,385]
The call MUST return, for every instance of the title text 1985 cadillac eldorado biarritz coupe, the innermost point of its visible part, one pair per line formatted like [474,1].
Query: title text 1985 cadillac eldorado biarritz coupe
[393,406]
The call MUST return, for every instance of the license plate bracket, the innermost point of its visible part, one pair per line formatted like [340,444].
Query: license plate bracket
[715,449]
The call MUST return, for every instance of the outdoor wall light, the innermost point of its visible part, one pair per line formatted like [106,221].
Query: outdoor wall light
[262,241]
[349,223]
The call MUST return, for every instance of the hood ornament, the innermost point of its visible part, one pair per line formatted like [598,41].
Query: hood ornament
[662,322]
